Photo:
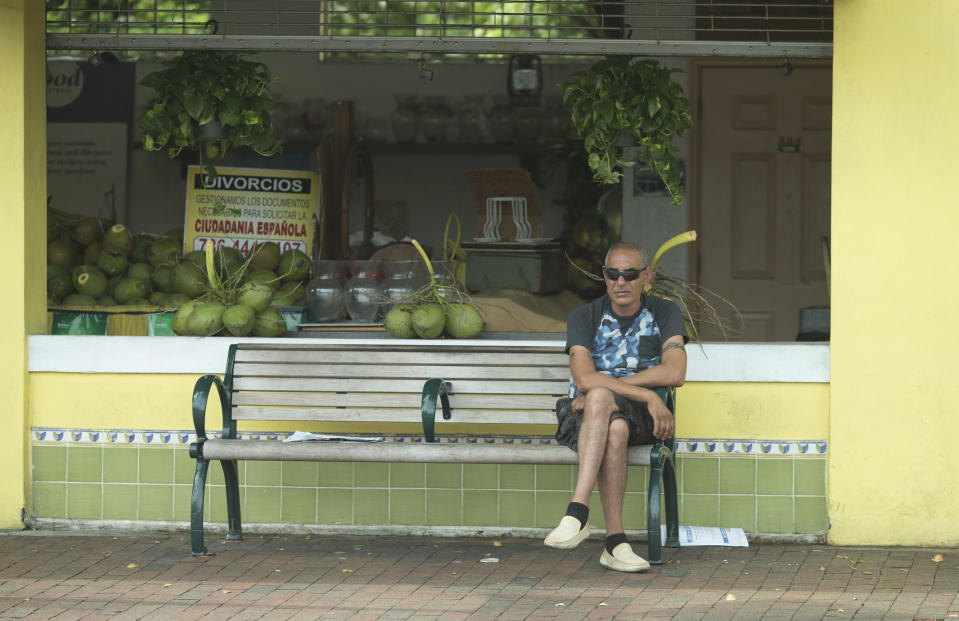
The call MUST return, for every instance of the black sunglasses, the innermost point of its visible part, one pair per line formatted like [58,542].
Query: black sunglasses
[628,275]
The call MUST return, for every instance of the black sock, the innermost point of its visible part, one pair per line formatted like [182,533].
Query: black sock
[580,512]
[614,540]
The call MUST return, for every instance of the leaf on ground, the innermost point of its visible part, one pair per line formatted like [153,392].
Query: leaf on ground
[602,604]
[868,573]
[132,566]
[168,584]
[937,558]
[730,597]
[225,591]
[560,604]
[347,571]
[497,544]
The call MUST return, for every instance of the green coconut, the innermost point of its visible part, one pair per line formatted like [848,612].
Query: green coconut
[266,256]
[164,251]
[159,298]
[399,321]
[118,239]
[239,319]
[264,276]
[129,289]
[141,248]
[269,323]
[206,319]
[189,279]
[112,284]
[91,282]
[227,260]
[92,252]
[463,321]
[182,315]
[106,301]
[289,294]
[141,271]
[176,234]
[294,265]
[177,299]
[255,294]
[428,320]
[79,299]
[112,263]
[163,277]
[59,282]
[87,230]
[61,252]
[198,258]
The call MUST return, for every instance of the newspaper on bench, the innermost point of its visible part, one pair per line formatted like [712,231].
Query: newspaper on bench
[306,436]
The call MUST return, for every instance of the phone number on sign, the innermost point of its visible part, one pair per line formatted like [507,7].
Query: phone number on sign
[246,245]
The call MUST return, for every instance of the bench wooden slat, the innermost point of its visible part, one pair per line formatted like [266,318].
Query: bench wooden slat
[395,400]
[456,357]
[419,372]
[462,452]
[360,384]
[397,415]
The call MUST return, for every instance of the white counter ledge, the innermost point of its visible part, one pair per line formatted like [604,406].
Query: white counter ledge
[711,362]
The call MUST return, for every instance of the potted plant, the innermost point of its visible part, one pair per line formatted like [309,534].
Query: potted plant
[617,105]
[211,102]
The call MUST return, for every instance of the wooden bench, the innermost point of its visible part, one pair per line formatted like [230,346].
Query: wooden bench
[487,394]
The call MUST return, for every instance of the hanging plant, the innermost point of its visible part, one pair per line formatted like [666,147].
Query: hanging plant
[618,107]
[211,102]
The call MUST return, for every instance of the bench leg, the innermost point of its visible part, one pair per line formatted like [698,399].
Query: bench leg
[653,513]
[232,483]
[196,508]
[672,503]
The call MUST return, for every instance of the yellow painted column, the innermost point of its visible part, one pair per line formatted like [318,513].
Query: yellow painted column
[23,251]
[894,410]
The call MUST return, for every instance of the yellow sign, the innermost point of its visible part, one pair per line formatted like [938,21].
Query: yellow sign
[242,207]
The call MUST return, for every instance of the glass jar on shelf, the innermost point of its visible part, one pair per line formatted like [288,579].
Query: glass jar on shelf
[364,291]
[325,298]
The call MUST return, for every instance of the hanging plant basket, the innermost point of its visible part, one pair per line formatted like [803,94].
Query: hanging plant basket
[629,113]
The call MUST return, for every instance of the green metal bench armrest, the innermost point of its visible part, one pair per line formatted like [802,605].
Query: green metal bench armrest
[434,388]
[201,394]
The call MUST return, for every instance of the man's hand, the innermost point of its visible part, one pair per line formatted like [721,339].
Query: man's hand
[579,403]
[663,423]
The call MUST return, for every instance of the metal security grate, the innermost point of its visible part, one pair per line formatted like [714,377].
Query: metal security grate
[663,27]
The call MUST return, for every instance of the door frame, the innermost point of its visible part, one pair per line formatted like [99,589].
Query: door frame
[694,201]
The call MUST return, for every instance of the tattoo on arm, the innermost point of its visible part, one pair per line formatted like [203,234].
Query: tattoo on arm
[670,346]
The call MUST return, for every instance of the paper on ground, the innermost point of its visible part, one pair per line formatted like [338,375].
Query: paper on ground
[709,536]
[306,436]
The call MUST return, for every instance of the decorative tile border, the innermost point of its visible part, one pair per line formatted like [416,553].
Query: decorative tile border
[178,438]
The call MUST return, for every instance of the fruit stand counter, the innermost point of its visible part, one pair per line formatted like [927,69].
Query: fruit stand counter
[110,421]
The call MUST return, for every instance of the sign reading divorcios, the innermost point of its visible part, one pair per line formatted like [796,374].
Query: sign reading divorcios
[242,207]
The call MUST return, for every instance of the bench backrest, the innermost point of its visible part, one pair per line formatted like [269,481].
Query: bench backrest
[383,383]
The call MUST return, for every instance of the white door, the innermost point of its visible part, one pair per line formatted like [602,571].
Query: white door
[762,191]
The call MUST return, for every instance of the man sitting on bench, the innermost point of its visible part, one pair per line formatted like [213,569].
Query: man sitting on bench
[619,345]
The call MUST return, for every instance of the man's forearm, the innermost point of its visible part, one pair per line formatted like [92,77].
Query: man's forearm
[653,377]
[631,391]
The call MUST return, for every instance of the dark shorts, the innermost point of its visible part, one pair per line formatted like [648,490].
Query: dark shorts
[634,413]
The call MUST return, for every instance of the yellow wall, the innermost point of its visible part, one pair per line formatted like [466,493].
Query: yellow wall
[23,183]
[895,351]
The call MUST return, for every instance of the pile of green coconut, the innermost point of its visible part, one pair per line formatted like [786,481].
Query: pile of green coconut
[434,310]
[91,264]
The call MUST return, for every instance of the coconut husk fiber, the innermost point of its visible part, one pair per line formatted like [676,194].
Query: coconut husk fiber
[513,310]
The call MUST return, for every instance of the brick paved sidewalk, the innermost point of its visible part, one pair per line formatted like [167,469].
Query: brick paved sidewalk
[45,575]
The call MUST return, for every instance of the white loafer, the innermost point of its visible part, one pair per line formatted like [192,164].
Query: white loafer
[623,559]
[568,534]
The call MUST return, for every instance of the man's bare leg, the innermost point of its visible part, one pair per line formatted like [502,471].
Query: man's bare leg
[612,476]
[593,432]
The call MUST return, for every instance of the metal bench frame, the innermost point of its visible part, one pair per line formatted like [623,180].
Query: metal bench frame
[304,393]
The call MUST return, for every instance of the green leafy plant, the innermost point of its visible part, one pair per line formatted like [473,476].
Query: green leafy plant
[617,105]
[198,90]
